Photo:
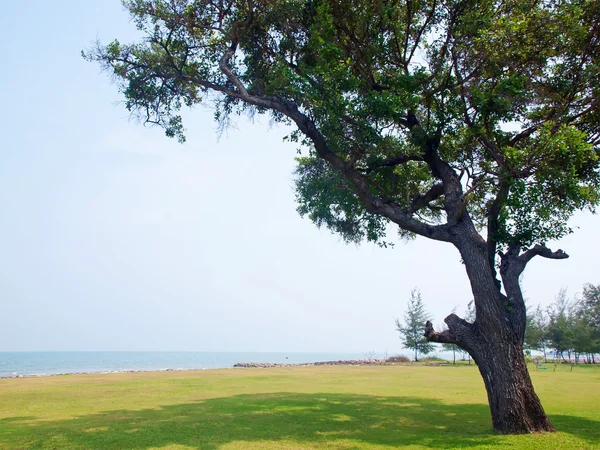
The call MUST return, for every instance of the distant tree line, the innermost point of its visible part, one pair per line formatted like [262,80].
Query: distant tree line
[568,330]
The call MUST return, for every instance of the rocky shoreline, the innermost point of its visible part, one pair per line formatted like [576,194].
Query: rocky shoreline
[341,362]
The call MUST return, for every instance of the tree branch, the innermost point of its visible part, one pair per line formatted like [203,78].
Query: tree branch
[454,201]
[512,266]
[420,201]
[362,189]
[551,115]
[223,66]
[420,32]
[543,251]
[459,332]
[442,337]
[493,225]
[393,161]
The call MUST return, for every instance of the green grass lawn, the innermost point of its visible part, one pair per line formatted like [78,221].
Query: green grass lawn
[383,407]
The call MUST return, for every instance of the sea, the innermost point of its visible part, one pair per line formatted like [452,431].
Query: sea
[20,364]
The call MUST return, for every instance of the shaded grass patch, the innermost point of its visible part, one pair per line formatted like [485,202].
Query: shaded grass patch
[341,408]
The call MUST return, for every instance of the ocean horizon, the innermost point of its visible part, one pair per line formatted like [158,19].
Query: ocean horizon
[20,364]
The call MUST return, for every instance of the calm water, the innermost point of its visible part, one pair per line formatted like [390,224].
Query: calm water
[48,363]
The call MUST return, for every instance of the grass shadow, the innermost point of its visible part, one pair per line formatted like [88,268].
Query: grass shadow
[340,420]
[578,426]
[17,419]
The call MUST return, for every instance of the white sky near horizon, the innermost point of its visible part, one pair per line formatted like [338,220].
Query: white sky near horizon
[114,237]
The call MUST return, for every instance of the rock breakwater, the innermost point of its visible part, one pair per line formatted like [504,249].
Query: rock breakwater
[341,362]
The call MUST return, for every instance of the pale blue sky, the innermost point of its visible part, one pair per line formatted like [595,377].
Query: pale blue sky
[113,237]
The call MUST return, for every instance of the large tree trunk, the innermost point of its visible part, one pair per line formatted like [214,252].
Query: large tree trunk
[495,341]
[514,405]
[498,347]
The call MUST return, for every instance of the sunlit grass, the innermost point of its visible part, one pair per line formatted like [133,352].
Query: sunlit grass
[287,408]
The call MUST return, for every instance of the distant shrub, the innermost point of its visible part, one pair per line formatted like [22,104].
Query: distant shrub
[432,359]
[398,359]
[537,360]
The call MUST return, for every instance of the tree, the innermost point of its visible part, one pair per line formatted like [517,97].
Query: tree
[536,331]
[560,325]
[451,348]
[591,304]
[470,123]
[468,316]
[572,328]
[584,342]
[586,331]
[414,326]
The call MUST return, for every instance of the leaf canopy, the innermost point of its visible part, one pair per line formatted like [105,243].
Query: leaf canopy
[412,112]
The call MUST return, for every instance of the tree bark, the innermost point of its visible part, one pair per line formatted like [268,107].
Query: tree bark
[495,341]
[514,405]
[515,408]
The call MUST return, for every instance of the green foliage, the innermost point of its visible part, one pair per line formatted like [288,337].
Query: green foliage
[537,208]
[327,199]
[469,316]
[587,321]
[536,332]
[560,325]
[569,327]
[452,348]
[591,304]
[433,359]
[411,332]
[505,94]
